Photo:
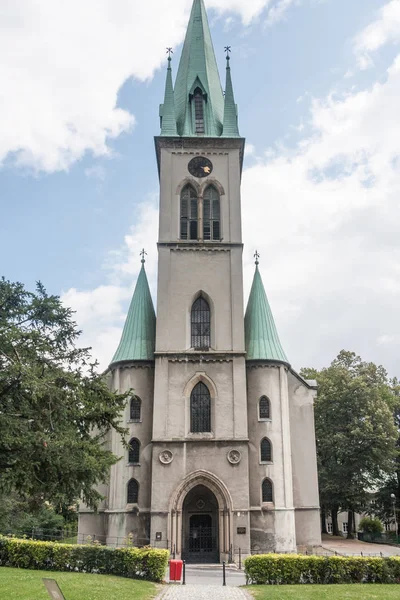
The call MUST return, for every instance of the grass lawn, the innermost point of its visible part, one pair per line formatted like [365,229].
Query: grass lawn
[325,592]
[22,584]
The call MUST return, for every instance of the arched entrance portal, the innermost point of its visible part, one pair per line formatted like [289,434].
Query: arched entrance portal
[202,501]
[200,526]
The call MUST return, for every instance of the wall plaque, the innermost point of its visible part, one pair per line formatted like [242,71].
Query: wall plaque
[241,530]
[158,536]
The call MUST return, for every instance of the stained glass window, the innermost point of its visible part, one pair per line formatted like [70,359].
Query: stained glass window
[267,492]
[135,411]
[189,214]
[200,409]
[266,450]
[211,214]
[200,324]
[265,412]
[133,492]
[134,451]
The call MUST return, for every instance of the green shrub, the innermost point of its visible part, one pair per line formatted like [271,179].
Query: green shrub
[294,569]
[370,525]
[137,563]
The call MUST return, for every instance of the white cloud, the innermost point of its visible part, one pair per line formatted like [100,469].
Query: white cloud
[96,172]
[277,12]
[386,28]
[63,63]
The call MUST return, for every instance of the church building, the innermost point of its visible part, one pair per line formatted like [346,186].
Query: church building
[222,449]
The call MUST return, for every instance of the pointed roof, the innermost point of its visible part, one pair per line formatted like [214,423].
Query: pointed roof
[230,128]
[262,340]
[167,110]
[198,67]
[139,334]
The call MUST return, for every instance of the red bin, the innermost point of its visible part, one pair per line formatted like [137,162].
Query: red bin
[175,570]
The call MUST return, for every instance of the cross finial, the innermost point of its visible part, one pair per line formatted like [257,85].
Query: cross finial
[257,257]
[228,50]
[143,253]
[169,52]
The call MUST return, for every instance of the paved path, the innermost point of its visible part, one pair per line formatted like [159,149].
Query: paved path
[202,592]
[355,548]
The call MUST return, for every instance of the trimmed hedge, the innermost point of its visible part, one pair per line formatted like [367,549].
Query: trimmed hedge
[137,563]
[294,569]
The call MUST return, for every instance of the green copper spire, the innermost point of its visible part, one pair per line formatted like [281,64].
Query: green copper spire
[230,128]
[139,334]
[167,110]
[262,340]
[198,70]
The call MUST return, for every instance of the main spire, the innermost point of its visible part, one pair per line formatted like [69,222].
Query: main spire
[139,334]
[198,75]
[262,340]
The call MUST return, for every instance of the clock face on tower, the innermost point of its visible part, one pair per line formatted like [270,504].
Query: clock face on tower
[200,166]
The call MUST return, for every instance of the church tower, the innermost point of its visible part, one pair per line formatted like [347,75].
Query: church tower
[222,445]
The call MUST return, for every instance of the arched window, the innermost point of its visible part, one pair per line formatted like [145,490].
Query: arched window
[200,409]
[189,214]
[211,214]
[198,111]
[264,408]
[135,412]
[133,492]
[200,321]
[267,491]
[265,450]
[134,451]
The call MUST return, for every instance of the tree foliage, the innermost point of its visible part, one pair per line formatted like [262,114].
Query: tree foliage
[55,409]
[355,431]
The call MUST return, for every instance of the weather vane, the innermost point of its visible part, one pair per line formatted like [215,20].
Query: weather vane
[169,52]
[257,256]
[228,50]
[143,253]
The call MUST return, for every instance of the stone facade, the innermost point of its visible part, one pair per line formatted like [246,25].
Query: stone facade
[201,493]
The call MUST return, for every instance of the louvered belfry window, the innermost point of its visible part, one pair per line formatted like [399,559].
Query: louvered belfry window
[200,324]
[134,451]
[267,491]
[135,411]
[189,214]
[133,492]
[198,111]
[266,450]
[200,409]
[265,412]
[211,214]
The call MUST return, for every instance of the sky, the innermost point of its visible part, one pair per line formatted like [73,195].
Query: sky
[317,83]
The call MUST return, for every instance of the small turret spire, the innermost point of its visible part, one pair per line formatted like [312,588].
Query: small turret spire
[167,110]
[230,128]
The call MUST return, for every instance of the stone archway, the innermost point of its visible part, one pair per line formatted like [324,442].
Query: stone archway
[205,486]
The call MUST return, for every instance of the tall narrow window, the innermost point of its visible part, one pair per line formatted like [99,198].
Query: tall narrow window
[200,409]
[134,451]
[200,324]
[265,450]
[211,214]
[133,492]
[198,111]
[264,408]
[189,214]
[135,412]
[267,491]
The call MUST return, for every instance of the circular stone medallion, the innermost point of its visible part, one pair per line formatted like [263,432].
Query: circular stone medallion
[166,457]
[234,457]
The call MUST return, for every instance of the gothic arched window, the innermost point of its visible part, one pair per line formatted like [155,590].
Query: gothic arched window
[133,492]
[200,320]
[189,214]
[264,408]
[211,214]
[198,111]
[135,409]
[200,409]
[134,451]
[267,491]
[265,450]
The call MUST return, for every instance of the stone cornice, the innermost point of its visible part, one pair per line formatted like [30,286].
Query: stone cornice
[198,440]
[200,246]
[200,357]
